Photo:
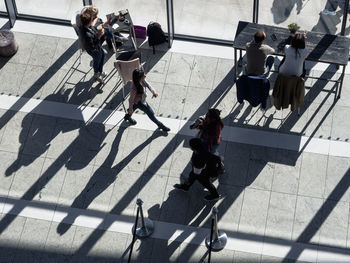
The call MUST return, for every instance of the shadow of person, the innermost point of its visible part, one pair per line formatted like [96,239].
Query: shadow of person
[36,141]
[327,23]
[104,176]
[281,9]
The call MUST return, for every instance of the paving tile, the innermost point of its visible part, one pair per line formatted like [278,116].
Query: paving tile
[254,211]
[58,246]
[12,229]
[97,243]
[337,182]
[169,107]
[269,259]
[165,251]
[142,251]
[33,81]
[335,225]
[287,170]
[174,207]
[203,72]
[157,65]
[16,132]
[43,51]
[63,139]
[320,118]
[236,164]
[125,192]
[136,149]
[224,73]
[261,167]
[72,193]
[323,91]
[180,65]
[240,256]
[26,178]
[192,253]
[293,122]
[159,156]
[51,181]
[11,76]
[37,228]
[113,143]
[98,191]
[151,192]
[280,216]
[306,223]
[313,175]
[345,94]
[180,166]
[66,53]
[39,135]
[340,127]
[229,207]
[8,161]
[55,79]
[26,45]
[196,103]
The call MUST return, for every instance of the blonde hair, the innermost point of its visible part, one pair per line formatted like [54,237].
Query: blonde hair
[92,10]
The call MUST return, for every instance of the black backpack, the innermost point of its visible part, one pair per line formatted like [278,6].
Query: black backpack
[155,34]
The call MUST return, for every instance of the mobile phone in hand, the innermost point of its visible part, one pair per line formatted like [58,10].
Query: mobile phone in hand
[273,37]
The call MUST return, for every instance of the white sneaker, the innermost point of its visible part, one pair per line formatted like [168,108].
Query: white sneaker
[103,74]
[98,77]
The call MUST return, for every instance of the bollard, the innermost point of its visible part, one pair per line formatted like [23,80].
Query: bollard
[219,240]
[147,227]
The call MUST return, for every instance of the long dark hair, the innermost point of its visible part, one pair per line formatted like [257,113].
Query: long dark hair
[298,42]
[137,75]
[214,116]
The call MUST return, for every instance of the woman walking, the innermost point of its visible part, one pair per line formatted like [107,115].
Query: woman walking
[137,100]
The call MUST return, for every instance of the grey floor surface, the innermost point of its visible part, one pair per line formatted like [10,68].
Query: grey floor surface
[268,192]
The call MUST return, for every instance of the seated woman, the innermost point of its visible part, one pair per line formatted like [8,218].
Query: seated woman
[93,10]
[93,33]
[293,64]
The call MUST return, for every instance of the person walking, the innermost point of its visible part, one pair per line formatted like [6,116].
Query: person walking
[203,167]
[137,100]
[258,61]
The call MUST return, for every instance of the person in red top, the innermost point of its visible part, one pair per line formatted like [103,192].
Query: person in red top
[203,167]
[210,130]
[137,100]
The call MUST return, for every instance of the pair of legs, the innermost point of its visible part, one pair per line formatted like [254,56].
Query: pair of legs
[98,57]
[108,35]
[146,108]
[203,179]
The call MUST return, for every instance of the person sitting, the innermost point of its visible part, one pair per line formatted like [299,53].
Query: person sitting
[258,61]
[293,64]
[93,32]
[93,10]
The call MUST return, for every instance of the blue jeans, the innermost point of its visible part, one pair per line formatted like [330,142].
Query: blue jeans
[148,110]
[98,57]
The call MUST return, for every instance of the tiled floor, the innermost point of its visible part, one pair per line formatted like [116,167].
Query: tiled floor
[272,196]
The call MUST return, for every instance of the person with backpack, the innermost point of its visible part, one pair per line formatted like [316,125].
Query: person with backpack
[203,167]
[137,99]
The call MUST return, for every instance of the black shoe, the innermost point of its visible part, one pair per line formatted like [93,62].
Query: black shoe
[128,118]
[212,197]
[164,128]
[181,187]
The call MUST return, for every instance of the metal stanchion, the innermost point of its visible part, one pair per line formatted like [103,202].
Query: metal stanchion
[134,234]
[219,240]
[147,227]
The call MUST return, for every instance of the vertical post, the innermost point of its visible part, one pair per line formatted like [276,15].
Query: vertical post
[341,81]
[11,11]
[254,10]
[218,242]
[235,63]
[345,17]
[134,234]
[170,19]
[257,11]
[87,2]
[147,227]
[211,239]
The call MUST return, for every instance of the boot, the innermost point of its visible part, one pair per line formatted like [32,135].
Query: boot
[128,118]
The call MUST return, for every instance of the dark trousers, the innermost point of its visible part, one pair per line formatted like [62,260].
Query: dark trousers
[148,110]
[98,57]
[204,180]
